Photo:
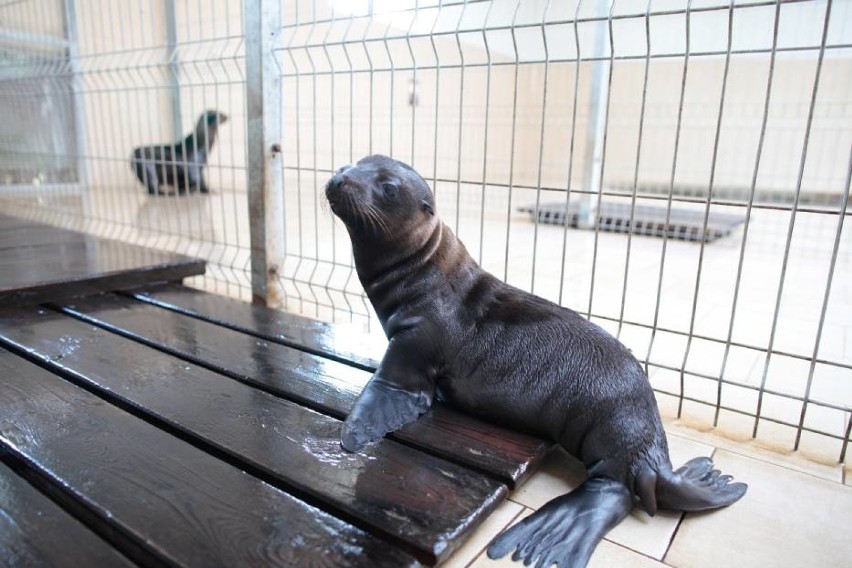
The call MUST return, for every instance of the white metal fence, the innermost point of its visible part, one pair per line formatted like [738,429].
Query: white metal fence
[678,171]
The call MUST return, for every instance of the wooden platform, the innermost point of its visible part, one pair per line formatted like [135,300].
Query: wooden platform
[168,426]
[40,263]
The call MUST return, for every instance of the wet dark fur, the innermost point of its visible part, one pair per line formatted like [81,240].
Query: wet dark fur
[180,165]
[458,333]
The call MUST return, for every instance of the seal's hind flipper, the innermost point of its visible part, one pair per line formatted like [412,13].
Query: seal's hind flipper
[697,487]
[381,408]
[567,529]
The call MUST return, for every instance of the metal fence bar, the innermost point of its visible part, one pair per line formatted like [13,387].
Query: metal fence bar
[707,206]
[659,295]
[597,111]
[654,56]
[461,117]
[826,297]
[172,44]
[543,118]
[599,164]
[512,145]
[437,100]
[636,169]
[485,141]
[332,98]
[391,84]
[313,74]
[349,264]
[73,68]
[632,15]
[265,188]
[792,224]
[747,222]
[118,229]
[297,137]
[412,100]
[570,152]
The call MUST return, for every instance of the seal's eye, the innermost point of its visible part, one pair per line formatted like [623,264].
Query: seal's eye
[391,190]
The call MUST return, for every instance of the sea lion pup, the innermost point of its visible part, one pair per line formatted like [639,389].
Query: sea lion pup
[179,165]
[459,334]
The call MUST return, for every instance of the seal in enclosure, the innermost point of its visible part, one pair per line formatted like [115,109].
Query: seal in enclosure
[459,334]
[179,165]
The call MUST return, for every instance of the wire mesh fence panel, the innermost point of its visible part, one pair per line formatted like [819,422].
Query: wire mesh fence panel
[127,119]
[677,171]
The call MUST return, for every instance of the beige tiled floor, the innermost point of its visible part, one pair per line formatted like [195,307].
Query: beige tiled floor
[796,513]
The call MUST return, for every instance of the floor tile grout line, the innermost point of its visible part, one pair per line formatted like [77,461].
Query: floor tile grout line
[680,521]
[673,537]
[682,518]
[768,459]
[511,521]
[523,510]
[636,552]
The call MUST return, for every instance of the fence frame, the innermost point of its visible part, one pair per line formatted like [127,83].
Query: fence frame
[267,172]
[265,183]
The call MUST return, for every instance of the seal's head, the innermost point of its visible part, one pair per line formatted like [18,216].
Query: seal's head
[212,118]
[380,198]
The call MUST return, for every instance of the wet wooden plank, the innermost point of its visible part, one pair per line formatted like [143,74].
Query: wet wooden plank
[43,263]
[334,341]
[29,235]
[163,501]
[13,221]
[35,531]
[322,384]
[416,500]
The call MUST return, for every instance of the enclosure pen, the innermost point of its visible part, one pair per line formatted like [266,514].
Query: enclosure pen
[678,171]
[130,74]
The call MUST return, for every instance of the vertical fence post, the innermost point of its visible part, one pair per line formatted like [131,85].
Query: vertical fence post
[170,16]
[76,86]
[598,96]
[265,184]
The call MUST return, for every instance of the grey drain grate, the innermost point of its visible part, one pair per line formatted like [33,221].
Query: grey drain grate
[646,220]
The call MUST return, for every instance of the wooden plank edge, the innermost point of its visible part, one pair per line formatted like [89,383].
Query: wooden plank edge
[108,282]
[365,364]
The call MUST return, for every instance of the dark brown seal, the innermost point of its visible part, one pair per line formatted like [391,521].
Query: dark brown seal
[179,165]
[459,334]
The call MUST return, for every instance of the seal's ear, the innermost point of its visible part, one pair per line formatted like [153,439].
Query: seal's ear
[428,207]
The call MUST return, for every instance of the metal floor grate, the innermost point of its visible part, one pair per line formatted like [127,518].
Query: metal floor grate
[645,220]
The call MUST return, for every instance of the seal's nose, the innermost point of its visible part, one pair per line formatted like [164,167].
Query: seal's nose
[338,178]
[335,182]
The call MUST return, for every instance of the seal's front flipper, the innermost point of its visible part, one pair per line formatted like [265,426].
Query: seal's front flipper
[401,389]
[380,409]
[567,529]
[697,487]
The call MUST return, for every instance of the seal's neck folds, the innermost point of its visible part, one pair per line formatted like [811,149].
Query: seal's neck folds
[387,264]
[378,258]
